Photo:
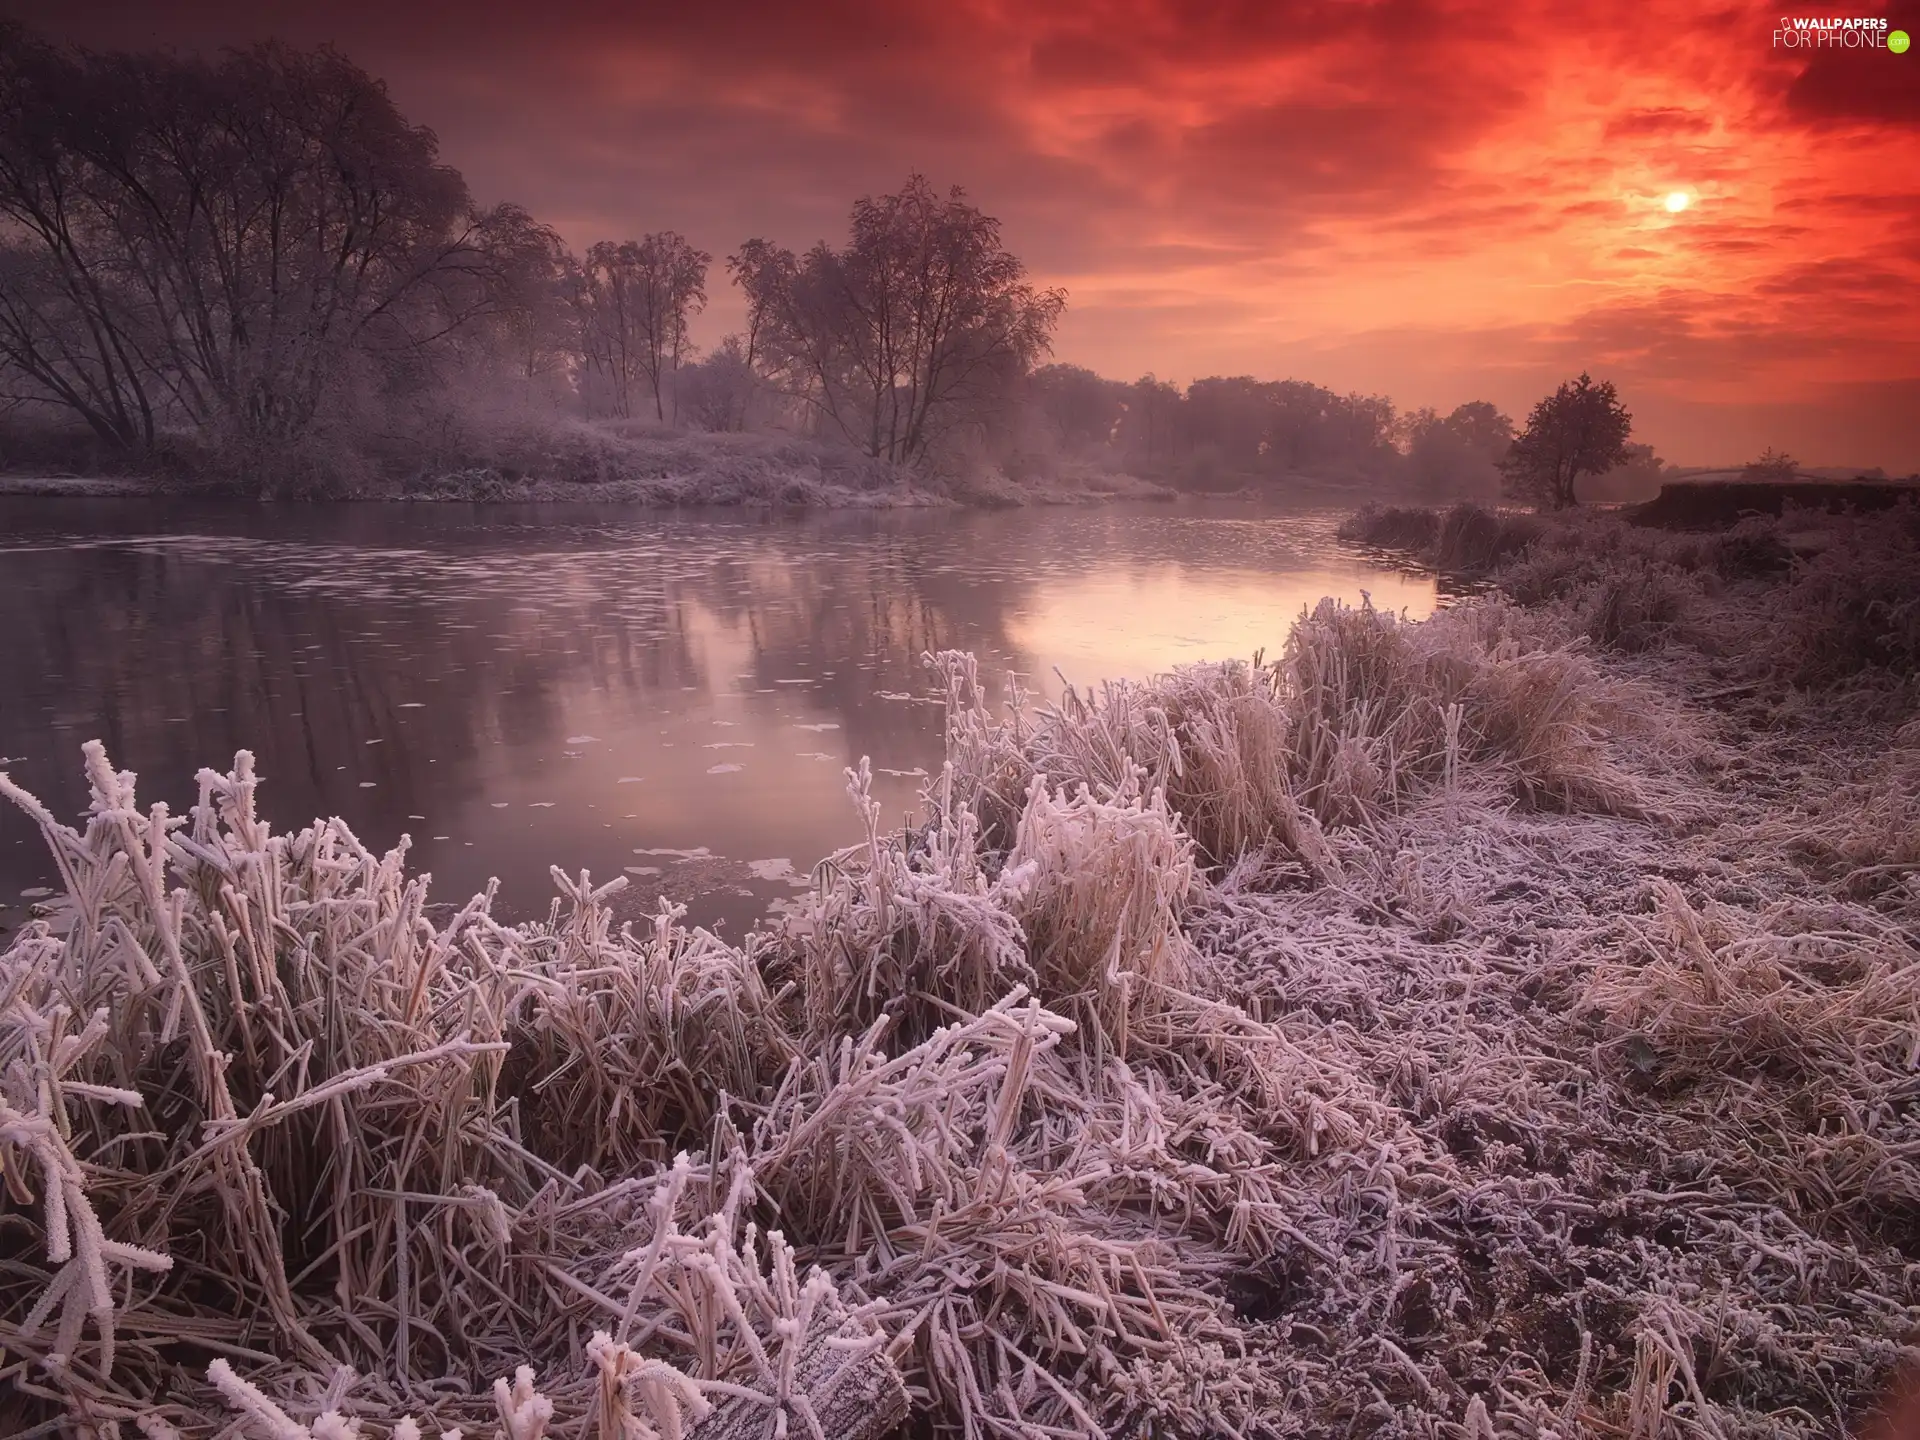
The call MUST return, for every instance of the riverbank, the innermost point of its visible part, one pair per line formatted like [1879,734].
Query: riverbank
[626,465]
[798,491]
[1471,1019]
[1719,504]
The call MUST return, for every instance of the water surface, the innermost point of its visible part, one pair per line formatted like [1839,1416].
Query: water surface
[674,697]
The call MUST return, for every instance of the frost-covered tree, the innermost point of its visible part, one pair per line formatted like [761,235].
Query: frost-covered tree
[635,299]
[922,322]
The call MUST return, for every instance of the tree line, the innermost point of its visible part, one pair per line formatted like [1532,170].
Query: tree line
[258,248]
[1242,427]
[259,255]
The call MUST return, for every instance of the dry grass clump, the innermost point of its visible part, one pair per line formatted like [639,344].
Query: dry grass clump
[1103,885]
[1625,589]
[1464,539]
[1216,739]
[1716,1004]
[335,1117]
[1864,834]
[1750,549]
[1228,1054]
[905,939]
[1392,527]
[1638,609]
[1855,606]
[1476,540]
[1386,709]
[1362,714]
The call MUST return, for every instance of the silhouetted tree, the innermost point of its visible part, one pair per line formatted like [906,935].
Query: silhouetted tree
[1580,429]
[923,321]
[1772,465]
[1079,408]
[1150,428]
[1455,453]
[1482,428]
[224,244]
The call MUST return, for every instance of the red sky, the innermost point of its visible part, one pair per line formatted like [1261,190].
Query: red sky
[1439,200]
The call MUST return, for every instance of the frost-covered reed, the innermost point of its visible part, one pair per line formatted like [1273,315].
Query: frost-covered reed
[1262,1049]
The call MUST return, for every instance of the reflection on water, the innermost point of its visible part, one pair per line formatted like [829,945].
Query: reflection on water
[673,697]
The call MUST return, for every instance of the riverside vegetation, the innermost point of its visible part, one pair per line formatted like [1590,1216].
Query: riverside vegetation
[1503,1024]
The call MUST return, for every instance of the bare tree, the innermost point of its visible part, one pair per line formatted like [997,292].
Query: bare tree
[528,276]
[637,297]
[922,322]
[222,243]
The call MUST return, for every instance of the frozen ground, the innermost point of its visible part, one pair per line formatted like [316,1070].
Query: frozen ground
[1504,1024]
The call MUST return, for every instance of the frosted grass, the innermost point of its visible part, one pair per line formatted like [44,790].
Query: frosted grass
[1352,1041]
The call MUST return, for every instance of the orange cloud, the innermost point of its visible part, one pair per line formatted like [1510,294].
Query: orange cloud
[1437,199]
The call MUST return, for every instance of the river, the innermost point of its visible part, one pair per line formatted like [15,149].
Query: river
[670,696]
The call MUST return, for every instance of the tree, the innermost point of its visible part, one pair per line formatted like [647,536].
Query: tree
[921,323]
[1481,427]
[716,393]
[530,275]
[1455,453]
[1080,409]
[1772,465]
[1149,426]
[1580,429]
[636,298]
[225,244]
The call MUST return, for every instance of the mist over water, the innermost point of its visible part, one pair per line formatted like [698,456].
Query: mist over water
[673,697]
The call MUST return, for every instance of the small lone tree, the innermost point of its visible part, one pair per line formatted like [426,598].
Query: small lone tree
[1580,429]
[1772,465]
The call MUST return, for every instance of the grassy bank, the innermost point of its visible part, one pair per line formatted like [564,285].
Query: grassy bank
[1717,504]
[1807,598]
[610,463]
[1458,1028]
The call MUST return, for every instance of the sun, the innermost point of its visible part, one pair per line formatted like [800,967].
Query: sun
[1676,201]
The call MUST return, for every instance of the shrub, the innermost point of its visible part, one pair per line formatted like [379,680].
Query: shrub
[1476,540]
[1855,606]
[1752,549]
[1392,527]
[1635,608]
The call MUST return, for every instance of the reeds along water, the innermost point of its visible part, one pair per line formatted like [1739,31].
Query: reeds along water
[1180,1073]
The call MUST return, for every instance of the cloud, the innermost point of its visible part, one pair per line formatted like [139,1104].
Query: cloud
[1231,186]
[1662,120]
